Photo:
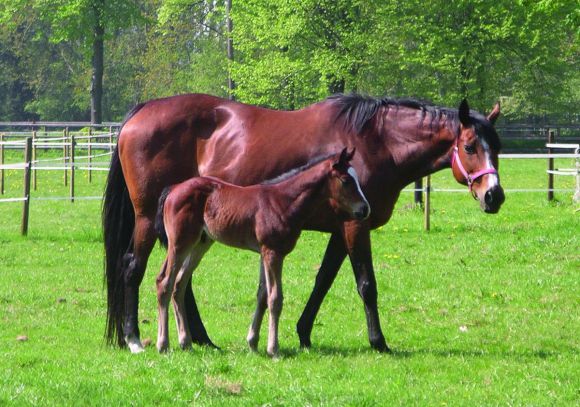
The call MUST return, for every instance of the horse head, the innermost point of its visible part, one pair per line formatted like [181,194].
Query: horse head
[346,195]
[475,157]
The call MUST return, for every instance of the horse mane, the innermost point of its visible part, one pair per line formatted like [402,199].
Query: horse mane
[357,110]
[289,174]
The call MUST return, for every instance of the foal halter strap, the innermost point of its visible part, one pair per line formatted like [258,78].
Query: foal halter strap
[473,176]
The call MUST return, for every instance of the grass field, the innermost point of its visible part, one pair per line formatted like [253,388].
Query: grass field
[482,310]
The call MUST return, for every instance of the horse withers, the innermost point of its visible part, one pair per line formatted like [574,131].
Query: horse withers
[266,218]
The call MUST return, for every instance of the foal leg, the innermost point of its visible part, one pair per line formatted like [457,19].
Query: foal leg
[261,304]
[333,258]
[273,271]
[181,283]
[165,282]
[134,265]
[358,244]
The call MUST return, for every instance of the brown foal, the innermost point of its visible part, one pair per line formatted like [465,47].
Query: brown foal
[266,218]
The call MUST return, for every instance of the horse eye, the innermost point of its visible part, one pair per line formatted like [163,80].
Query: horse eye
[469,148]
[346,180]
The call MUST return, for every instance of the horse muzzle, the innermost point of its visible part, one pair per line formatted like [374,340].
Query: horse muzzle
[493,199]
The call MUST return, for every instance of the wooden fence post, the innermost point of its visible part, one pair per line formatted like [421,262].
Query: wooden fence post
[90,153]
[27,169]
[64,155]
[550,167]
[111,139]
[34,172]
[2,163]
[428,204]
[72,168]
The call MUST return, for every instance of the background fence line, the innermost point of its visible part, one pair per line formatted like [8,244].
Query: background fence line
[69,162]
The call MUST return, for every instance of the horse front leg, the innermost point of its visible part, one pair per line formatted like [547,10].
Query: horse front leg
[358,245]
[273,271]
[134,265]
[333,258]
[261,304]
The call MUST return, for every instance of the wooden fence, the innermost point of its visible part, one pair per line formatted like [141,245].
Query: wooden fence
[99,141]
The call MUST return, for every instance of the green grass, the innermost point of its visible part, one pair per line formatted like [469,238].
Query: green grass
[482,310]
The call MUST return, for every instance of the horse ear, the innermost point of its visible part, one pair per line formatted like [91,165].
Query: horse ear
[494,114]
[464,113]
[350,155]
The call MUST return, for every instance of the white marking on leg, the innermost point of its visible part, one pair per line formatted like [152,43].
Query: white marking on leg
[134,344]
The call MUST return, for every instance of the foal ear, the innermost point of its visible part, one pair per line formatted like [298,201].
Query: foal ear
[464,113]
[494,114]
[345,156]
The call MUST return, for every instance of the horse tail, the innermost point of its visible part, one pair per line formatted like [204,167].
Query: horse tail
[118,218]
[159,225]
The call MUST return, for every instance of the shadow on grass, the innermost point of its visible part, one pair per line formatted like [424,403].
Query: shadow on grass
[411,353]
[496,353]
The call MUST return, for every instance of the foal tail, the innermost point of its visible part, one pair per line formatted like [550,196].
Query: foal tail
[159,225]
[118,220]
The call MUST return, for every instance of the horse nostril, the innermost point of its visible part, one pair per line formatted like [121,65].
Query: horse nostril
[494,196]
[488,197]
[363,212]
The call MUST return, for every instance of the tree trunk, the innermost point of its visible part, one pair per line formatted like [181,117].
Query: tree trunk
[97,63]
[230,49]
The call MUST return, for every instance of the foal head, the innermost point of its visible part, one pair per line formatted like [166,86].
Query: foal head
[475,157]
[345,193]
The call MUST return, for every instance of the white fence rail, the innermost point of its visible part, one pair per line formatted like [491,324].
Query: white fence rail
[69,163]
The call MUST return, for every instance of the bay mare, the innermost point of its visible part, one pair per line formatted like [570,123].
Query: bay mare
[266,218]
[165,141]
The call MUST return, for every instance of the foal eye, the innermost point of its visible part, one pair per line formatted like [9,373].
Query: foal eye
[469,148]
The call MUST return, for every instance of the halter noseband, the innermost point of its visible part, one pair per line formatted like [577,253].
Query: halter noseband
[469,177]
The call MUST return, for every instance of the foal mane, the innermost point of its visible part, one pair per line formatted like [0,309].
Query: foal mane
[357,110]
[289,174]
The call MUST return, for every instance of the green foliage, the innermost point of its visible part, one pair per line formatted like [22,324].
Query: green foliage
[289,54]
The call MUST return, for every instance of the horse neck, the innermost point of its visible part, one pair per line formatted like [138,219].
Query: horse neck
[418,147]
[300,191]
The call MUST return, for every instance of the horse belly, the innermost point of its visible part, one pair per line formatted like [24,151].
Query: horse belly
[232,234]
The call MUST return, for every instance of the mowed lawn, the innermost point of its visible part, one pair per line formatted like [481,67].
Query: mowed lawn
[482,310]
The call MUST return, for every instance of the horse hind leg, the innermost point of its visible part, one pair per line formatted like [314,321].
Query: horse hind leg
[183,281]
[273,271]
[134,265]
[261,304]
[163,295]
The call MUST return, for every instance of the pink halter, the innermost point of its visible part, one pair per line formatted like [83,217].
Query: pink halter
[469,177]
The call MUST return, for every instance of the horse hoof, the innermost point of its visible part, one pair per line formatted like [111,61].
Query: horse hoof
[305,343]
[381,346]
[134,345]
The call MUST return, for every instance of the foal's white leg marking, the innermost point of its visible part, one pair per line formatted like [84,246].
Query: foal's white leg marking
[354,175]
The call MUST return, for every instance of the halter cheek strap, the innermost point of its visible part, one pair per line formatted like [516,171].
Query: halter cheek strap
[469,177]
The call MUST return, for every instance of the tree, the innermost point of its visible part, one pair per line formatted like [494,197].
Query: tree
[85,23]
